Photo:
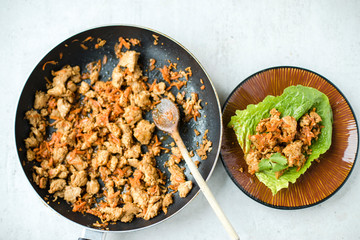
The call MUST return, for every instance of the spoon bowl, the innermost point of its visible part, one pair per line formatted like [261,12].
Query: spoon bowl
[166,116]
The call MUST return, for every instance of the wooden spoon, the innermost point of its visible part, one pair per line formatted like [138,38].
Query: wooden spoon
[166,118]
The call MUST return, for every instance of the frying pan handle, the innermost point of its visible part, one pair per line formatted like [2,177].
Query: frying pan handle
[88,234]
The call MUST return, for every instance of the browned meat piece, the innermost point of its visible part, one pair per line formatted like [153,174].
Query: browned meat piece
[129,60]
[44,112]
[261,126]
[75,74]
[57,185]
[315,116]
[113,148]
[264,142]
[129,212]
[133,152]
[111,214]
[58,85]
[71,193]
[31,142]
[159,88]
[143,131]
[180,98]
[150,173]
[139,196]
[176,151]
[112,197]
[288,128]
[33,117]
[63,126]
[274,121]
[152,210]
[86,125]
[94,69]
[71,86]
[177,174]
[252,160]
[38,135]
[184,188]
[114,129]
[127,197]
[76,161]
[136,88]
[305,120]
[133,162]
[205,147]
[102,157]
[142,100]
[112,164]
[191,107]
[41,99]
[84,88]
[60,171]
[30,155]
[132,114]
[78,179]
[90,94]
[117,77]
[59,154]
[94,77]
[63,107]
[293,152]
[89,141]
[168,200]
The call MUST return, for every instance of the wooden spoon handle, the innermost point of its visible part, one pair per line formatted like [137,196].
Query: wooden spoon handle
[204,187]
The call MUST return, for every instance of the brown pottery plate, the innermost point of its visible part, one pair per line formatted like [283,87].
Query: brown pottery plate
[323,178]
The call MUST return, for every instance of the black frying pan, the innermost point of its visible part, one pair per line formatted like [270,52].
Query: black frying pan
[167,49]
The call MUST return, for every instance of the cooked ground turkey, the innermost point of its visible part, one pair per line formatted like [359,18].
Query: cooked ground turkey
[95,151]
[284,135]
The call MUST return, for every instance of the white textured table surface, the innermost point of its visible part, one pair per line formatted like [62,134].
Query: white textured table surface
[232,39]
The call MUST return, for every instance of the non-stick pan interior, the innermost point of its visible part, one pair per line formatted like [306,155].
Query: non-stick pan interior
[166,49]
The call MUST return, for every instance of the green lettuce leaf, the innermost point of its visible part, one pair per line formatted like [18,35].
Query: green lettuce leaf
[295,101]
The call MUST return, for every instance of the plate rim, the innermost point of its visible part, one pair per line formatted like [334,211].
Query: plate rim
[357,145]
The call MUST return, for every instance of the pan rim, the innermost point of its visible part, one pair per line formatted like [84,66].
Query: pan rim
[217,155]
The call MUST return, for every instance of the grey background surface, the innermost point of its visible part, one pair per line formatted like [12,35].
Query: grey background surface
[232,39]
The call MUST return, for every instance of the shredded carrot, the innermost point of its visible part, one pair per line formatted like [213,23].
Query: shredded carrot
[127,92]
[165,73]
[88,39]
[84,47]
[123,42]
[152,64]
[134,41]
[54,123]
[85,75]
[49,62]
[61,55]
[115,139]
[51,162]
[177,84]
[119,172]
[152,85]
